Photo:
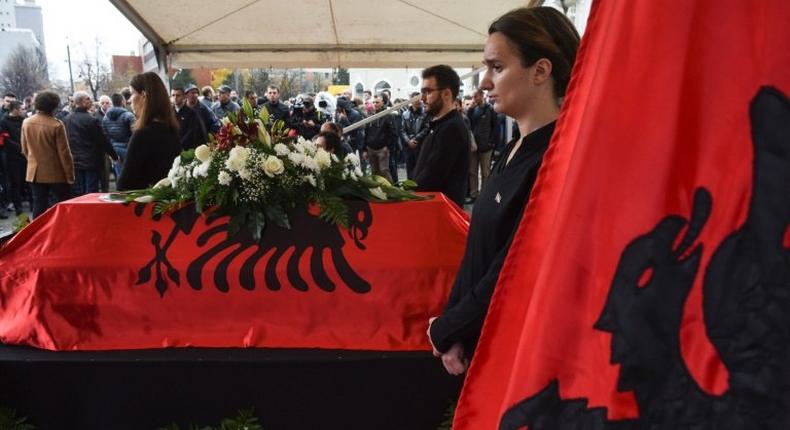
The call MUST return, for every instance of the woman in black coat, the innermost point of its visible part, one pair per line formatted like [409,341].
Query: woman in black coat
[154,143]
[529,55]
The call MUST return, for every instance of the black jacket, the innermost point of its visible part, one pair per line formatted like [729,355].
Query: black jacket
[117,125]
[151,153]
[483,121]
[381,132]
[443,164]
[12,126]
[87,141]
[210,121]
[307,131]
[496,217]
[191,131]
[414,123]
[277,111]
[356,138]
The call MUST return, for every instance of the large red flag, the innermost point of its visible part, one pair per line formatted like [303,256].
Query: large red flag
[649,283]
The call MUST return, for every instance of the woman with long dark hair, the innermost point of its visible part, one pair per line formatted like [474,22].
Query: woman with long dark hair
[154,143]
[529,55]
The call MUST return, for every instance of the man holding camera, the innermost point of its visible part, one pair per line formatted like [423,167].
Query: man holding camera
[306,119]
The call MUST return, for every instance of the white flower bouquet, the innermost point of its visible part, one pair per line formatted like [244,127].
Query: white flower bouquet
[254,174]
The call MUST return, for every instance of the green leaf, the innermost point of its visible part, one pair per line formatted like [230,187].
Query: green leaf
[263,115]
[247,108]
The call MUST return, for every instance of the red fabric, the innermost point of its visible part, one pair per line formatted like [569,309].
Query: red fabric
[658,105]
[67,282]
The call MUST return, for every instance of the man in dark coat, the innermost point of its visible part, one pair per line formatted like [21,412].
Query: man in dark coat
[276,109]
[88,145]
[443,164]
[210,121]
[191,130]
[378,139]
[14,163]
[413,131]
[483,121]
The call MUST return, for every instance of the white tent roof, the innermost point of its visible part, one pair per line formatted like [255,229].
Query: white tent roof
[317,33]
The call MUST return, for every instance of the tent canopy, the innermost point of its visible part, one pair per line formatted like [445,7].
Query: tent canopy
[316,33]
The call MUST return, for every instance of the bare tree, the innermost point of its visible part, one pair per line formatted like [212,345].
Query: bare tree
[95,75]
[25,72]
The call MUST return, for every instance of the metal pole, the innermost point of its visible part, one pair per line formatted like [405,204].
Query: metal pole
[372,118]
[71,75]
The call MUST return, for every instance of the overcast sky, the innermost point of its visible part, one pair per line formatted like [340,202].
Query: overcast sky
[79,23]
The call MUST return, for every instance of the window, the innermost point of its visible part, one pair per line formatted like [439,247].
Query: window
[358,89]
[380,86]
[415,81]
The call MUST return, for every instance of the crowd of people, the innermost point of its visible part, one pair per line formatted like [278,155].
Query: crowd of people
[99,134]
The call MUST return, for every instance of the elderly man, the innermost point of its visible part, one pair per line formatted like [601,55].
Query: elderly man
[224,105]
[88,145]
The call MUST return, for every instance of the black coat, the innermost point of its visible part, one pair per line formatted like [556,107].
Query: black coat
[12,126]
[278,111]
[443,164]
[381,133]
[496,217]
[151,153]
[191,132]
[483,121]
[87,141]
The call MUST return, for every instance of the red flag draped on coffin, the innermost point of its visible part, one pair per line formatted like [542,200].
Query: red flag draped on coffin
[648,285]
[96,275]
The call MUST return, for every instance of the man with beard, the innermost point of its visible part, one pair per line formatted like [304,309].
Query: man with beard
[443,163]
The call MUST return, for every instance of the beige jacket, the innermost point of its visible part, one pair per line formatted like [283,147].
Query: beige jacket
[46,147]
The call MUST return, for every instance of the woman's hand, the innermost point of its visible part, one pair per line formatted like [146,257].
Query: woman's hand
[454,360]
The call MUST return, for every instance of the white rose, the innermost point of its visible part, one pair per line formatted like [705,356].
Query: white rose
[323,159]
[281,149]
[145,199]
[273,166]
[164,182]
[203,153]
[378,193]
[237,158]
[224,178]
[296,158]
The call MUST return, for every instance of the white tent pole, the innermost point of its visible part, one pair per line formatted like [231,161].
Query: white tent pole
[372,118]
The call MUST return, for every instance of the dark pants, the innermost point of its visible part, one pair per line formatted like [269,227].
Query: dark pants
[394,157]
[41,201]
[16,166]
[86,181]
[411,161]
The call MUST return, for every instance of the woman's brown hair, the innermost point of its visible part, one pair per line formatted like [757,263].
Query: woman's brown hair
[156,104]
[541,32]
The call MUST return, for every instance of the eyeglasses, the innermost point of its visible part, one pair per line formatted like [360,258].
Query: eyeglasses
[426,91]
